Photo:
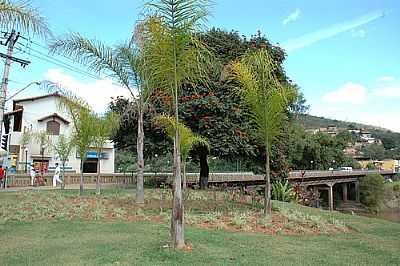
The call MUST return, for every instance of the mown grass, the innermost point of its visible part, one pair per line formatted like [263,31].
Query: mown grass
[86,241]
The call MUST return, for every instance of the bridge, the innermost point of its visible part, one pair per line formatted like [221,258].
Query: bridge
[343,183]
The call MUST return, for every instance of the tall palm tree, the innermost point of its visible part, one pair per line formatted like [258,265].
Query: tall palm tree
[125,64]
[267,99]
[176,56]
[20,15]
[188,139]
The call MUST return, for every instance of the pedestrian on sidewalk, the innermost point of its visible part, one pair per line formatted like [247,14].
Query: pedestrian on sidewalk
[56,177]
[2,177]
[33,175]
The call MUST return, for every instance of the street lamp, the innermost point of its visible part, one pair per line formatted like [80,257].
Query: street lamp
[312,165]
[24,88]
[26,160]
[2,107]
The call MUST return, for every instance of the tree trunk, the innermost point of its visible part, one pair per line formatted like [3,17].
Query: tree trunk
[184,176]
[98,174]
[177,225]
[81,180]
[267,194]
[204,170]
[63,175]
[140,159]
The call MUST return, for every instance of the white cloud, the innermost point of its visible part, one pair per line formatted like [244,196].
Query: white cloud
[387,120]
[350,93]
[359,33]
[386,78]
[295,15]
[97,93]
[392,92]
[326,33]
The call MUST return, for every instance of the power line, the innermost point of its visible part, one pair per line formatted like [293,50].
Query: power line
[50,59]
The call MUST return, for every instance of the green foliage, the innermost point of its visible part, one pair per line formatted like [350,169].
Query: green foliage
[372,191]
[106,126]
[396,187]
[371,166]
[25,138]
[20,15]
[374,151]
[282,191]
[44,140]
[187,138]
[63,147]
[266,98]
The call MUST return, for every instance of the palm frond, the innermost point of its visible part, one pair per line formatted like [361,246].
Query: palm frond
[188,140]
[265,96]
[23,17]
[94,55]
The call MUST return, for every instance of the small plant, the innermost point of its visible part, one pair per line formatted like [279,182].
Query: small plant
[99,212]
[212,217]
[239,219]
[282,191]
[396,187]
[120,213]
[265,223]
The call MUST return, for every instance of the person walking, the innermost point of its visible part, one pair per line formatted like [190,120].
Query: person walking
[2,177]
[33,175]
[56,177]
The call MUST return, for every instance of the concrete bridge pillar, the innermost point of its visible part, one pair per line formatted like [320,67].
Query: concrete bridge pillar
[344,189]
[330,193]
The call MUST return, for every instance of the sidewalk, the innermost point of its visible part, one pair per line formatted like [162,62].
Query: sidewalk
[48,188]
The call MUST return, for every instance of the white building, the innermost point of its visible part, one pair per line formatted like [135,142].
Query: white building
[43,113]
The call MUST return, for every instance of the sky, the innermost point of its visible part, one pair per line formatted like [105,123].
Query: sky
[344,54]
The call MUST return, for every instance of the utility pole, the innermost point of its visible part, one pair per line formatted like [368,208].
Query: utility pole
[10,43]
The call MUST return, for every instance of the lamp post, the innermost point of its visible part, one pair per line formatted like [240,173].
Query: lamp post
[26,160]
[312,165]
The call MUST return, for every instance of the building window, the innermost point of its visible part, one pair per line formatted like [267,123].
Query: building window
[53,128]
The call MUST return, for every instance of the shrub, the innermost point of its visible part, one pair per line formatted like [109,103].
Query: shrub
[372,191]
[282,191]
[396,187]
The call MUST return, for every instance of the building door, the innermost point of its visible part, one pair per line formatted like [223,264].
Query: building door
[90,166]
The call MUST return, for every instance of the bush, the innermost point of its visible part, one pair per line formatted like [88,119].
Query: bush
[372,191]
[282,191]
[396,187]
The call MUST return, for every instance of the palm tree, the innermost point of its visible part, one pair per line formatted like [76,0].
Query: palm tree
[105,127]
[20,15]
[63,148]
[267,100]
[83,120]
[188,140]
[176,56]
[125,64]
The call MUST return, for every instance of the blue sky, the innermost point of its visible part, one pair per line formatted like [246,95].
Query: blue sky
[344,54]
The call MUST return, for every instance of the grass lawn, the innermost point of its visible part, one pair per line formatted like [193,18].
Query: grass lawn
[36,236]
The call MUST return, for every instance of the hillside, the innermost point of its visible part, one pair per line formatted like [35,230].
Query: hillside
[390,139]
[310,121]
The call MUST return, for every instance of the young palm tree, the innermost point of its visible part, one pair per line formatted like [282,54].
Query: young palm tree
[20,15]
[105,127]
[188,140]
[63,148]
[267,100]
[83,120]
[176,56]
[125,64]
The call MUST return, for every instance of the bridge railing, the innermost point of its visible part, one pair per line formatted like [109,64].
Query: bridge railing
[335,173]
